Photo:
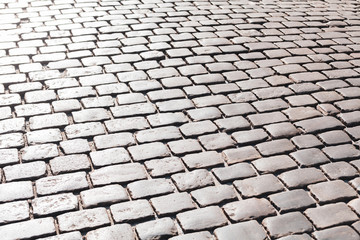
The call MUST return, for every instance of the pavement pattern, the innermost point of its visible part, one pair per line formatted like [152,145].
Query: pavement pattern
[176,119]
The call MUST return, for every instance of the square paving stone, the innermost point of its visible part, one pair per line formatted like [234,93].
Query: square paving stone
[292,200]
[163,119]
[192,180]
[341,232]
[149,188]
[306,141]
[75,146]
[213,195]
[334,137]
[184,146]
[25,171]
[14,211]
[126,124]
[131,211]
[172,203]
[301,113]
[270,105]
[54,204]
[320,124]
[281,130]
[332,191]
[203,159]
[164,166]
[250,230]
[28,229]
[216,141]
[257,186]
[206,113]
[198,128]
[250,136]
[158,134]
[261,119]
[237,109]
[338,170]
[342,152]
[156,229]
[249,209]
[121,173]
[287,224]
[61,183]
[115,232]
[149,151]
[232,123]
[331,215]
[275,147]
[202,219]
[309,157]
[274,164]
[233,172]
[299,178]
[109,157]
[103,195]
[114,140]
[84,219]
[241,154]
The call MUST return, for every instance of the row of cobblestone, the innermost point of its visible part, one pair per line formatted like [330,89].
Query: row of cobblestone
[170,119]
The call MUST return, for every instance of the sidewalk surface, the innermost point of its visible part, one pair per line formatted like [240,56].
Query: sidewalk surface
[177,119]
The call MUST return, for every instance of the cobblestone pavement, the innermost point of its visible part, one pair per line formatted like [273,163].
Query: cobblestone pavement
[175,119]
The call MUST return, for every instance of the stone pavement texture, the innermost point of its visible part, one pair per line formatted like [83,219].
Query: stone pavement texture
[179,119]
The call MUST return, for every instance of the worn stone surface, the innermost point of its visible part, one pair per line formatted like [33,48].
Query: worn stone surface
[28,229]
[213,195]
[156,229]
[118,174]
[121,232]
[16,191]
[14,211]
[287,224]
[103,195]
[292,200]
[201,219]
[259,185]
[61,183]
[248,230]
[341,232]
[54,204]
[137,112]
[330,215]
[84,219]
[130,211]
[249,209]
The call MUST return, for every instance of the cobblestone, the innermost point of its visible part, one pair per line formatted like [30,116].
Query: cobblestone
[121,232]
[130,211]
[179,202]
[84,219]
[201,219]
[28,229]
[287,224]
[179,120]
[325,216]
[109,194]
[161,228]
[54,204]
